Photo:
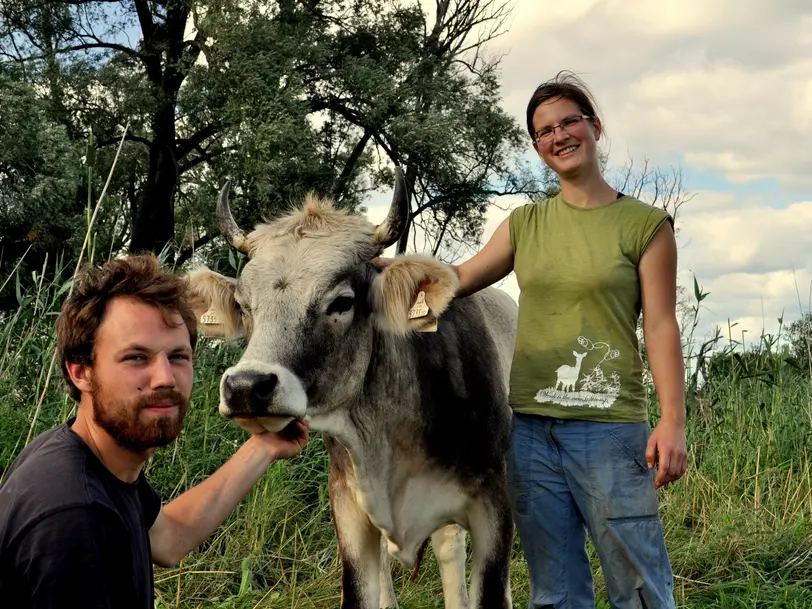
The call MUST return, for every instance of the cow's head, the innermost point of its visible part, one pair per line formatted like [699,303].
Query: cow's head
[309,303]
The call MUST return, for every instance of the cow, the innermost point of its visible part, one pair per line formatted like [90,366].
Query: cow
[416,423]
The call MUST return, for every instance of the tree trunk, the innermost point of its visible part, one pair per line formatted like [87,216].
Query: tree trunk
[154,226]
[411,179]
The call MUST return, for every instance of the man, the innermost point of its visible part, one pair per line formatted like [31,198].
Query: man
[79,523]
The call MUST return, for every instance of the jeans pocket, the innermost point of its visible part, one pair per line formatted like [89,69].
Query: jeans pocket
[631,440]
[630,484]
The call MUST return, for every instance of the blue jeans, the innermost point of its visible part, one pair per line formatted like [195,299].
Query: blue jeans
[568,477]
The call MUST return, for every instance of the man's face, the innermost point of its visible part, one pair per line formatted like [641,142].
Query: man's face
[141,377]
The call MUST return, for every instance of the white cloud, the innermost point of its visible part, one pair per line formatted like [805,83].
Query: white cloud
[755,270]
[726,84]
[746,125]
[724,87]
[753,302]
[753,239]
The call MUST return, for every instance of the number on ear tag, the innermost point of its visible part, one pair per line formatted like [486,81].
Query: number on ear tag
[419,308]
[209,318]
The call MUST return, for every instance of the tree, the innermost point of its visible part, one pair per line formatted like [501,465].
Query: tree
[95,77]
[280,97]
[799,338]
[434,98]
[40,183]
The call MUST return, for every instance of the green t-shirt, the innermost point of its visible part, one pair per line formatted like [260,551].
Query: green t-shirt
[577,355]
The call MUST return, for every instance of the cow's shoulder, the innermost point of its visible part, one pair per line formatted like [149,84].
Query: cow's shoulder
[462,375]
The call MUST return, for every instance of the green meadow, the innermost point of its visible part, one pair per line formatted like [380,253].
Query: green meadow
[738,524]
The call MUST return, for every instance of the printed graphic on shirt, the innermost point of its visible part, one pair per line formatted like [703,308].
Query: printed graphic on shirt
[592,389]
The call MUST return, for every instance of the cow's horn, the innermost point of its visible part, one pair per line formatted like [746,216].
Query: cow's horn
[390,230]
[233,233]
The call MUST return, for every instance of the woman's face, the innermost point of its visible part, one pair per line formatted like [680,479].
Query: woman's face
[570,149]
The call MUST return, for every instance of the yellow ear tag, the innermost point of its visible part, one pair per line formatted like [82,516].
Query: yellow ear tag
[209,318]
[430,326]
[419,308]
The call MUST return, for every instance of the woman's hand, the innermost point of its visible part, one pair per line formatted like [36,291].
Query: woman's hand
[667,450]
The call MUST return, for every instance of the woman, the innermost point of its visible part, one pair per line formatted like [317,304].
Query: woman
[583,454]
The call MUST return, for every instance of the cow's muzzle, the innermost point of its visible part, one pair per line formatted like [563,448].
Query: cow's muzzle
[249,392]
[272,395]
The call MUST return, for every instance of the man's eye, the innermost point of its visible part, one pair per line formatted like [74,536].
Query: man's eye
[342,304]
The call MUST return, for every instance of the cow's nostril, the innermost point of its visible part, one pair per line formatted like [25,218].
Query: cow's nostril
[263,389]
[230,387]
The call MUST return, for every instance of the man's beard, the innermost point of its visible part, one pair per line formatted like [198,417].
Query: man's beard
[123,421]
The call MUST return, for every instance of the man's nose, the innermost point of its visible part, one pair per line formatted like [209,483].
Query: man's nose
[162,374]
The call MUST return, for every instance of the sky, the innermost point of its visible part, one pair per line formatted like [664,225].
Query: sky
[722,90]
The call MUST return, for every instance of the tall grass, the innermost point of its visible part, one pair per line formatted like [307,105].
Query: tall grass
[737,524]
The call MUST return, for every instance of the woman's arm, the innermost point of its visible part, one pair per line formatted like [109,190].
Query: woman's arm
[658,284]
[492,263]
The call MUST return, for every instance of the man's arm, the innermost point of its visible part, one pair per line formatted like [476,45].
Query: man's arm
[184,523]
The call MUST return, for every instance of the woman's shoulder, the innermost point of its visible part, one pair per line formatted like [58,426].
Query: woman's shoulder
[641,221]
[524,221]
[532,208]
[641,210]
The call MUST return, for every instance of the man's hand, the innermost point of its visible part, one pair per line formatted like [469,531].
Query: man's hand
[286,443]
[666,448]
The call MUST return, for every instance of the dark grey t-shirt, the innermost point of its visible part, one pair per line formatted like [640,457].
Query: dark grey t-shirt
[71,533]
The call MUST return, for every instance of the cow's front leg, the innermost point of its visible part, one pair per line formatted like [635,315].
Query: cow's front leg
[388,600]
[358,548]
[448,544]
[491,538]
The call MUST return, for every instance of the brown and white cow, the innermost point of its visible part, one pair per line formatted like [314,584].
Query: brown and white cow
[416,423]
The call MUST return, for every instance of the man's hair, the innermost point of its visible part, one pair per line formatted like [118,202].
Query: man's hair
[138,277]
[567,85]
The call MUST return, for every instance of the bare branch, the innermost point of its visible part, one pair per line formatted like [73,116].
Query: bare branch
[349,166]
[186,145]
[204,156]
[186,253]
[664,188]
[129,138]
[85,47]
[441,234]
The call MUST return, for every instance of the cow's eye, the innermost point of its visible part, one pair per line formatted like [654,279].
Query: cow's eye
[342,304]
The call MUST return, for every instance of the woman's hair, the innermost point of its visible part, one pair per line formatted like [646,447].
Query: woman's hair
[136,277]
[566,85]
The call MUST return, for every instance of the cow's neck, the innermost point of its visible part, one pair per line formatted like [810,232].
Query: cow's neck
[383,405]
[386,468]
[379,427]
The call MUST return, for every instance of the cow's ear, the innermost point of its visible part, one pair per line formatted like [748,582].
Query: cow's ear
[212,299]
[395,290]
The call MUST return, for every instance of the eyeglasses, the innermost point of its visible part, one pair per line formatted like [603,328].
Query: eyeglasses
[567,125]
